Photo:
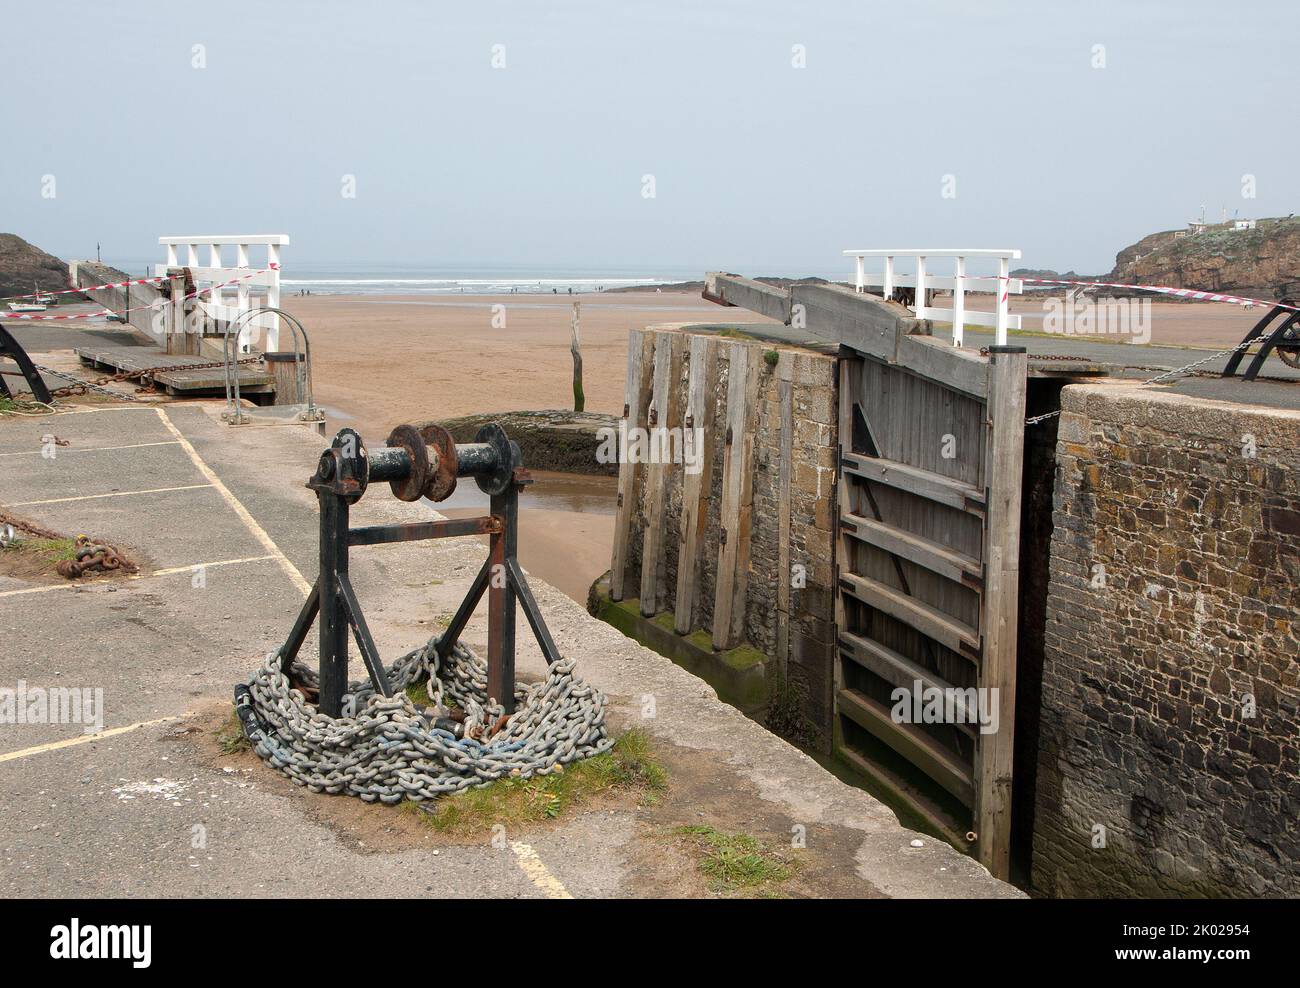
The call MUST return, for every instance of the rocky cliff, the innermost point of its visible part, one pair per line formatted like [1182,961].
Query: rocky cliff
[1263,262]
[23,266]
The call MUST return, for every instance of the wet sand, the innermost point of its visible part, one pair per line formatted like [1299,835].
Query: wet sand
[378,361]
[382,360]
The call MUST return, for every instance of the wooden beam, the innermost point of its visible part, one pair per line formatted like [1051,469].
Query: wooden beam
[898,542]
[911,742]
[697,421]
[747,293]
[785,471]
[737,497]
[924,483]
[899,670]
[664,416]
[935,360]
[930,621]
[994,758]
[848,497]
[636,399]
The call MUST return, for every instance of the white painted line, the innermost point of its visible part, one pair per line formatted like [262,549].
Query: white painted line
[70,742]
[249,521]
[537,872]
[106,408]
[170,571]
[94,449]
[92,497]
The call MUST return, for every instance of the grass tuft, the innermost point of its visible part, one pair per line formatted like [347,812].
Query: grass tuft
[51,550]
[418,693]
[230,735]
[738,862]
[630,766]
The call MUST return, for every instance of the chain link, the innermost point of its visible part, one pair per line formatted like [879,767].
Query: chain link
[78,386]
[387,749]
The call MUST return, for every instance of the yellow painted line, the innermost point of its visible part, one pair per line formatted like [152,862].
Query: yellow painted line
[92,497]
[249,521]
[537,872]
[171,571]
[93,449]
[70,742]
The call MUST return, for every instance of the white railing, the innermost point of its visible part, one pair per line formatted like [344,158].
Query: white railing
[215,304]
[959,284]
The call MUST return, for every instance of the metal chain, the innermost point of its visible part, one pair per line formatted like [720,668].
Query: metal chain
[1187,368]
[80,387]
[1042,418]
[1165,376]
[387,749]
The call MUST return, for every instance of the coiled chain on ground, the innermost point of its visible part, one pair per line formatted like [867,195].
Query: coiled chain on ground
[388,749]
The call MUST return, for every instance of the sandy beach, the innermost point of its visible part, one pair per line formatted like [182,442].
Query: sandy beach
[382,360]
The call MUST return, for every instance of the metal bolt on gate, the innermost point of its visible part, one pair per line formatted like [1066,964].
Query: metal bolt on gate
[418,463]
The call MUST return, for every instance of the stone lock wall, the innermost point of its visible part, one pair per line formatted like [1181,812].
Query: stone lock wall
[811,379]
[1169,763]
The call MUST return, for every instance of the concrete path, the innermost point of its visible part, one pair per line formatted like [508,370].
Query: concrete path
[225,534]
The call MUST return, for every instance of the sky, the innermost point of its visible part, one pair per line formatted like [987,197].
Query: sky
[645,137]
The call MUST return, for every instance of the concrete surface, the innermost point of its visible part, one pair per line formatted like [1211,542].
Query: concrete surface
[161,811]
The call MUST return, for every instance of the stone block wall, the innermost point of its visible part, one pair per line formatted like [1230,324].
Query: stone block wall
[1169,763]
[811,379]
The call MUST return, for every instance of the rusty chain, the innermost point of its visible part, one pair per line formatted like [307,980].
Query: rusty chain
[94,555]
[80,387]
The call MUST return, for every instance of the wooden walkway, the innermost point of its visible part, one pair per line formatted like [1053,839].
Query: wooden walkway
[194,376]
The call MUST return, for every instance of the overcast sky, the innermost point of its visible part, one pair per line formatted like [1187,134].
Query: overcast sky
[758,166]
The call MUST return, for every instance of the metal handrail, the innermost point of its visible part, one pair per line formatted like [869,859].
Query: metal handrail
[301,365]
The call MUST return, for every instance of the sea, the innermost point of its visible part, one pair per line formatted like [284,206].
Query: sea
[494,279]
[424,281]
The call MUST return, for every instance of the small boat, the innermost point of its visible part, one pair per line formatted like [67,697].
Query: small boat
[40,301]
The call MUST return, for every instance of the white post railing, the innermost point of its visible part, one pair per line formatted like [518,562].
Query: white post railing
[214,302]
[1002,286]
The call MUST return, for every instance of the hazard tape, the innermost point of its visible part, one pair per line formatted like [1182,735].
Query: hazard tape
[27,317]
[75,291]
[1190,293]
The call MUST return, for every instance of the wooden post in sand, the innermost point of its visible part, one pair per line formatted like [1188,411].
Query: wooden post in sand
[579,400]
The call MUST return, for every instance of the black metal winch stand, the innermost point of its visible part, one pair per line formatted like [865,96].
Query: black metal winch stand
[1284,337]
[10,348]
[418,463]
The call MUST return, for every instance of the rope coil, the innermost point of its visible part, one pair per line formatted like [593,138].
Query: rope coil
[389,749]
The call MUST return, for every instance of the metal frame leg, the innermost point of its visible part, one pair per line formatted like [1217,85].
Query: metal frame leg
[9,347]
[501,600]
[333,624]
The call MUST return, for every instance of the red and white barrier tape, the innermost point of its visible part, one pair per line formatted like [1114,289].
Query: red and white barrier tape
[94,315]
[89,288]
[1191,293]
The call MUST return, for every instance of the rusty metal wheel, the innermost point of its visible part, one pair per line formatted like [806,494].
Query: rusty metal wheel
[423,462]
[442,480]
[1288,349]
